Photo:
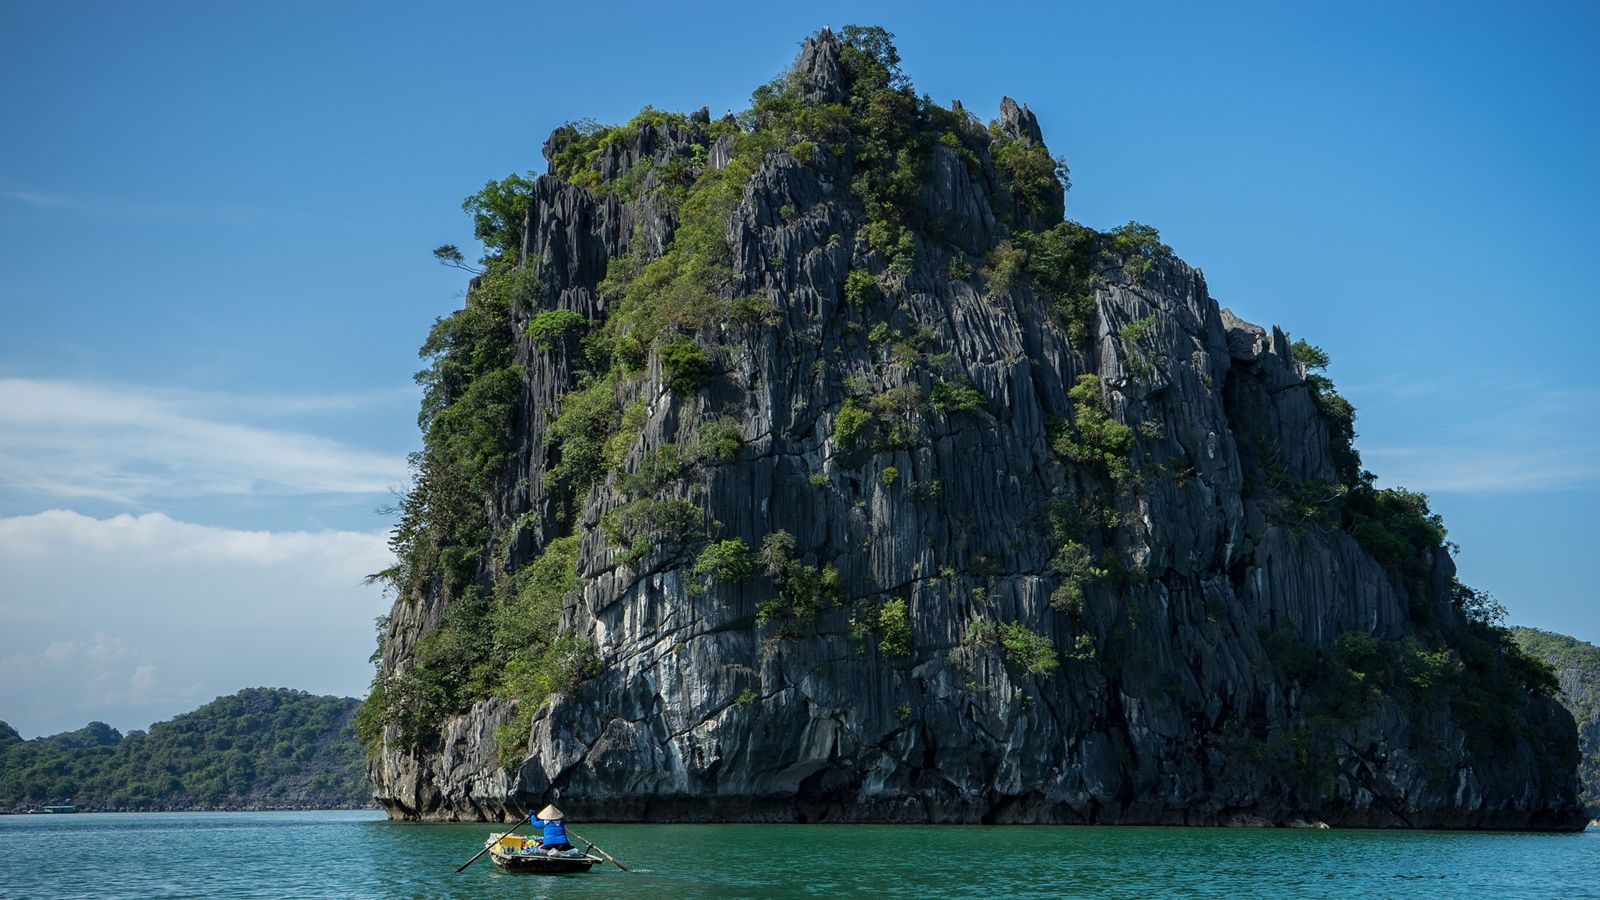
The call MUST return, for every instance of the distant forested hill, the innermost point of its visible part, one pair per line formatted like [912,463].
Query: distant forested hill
[261,747]
[1577,666]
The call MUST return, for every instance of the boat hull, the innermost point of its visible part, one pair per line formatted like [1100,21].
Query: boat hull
[538,864]
[509,852]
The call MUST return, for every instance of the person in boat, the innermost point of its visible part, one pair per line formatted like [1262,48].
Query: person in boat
[555,829]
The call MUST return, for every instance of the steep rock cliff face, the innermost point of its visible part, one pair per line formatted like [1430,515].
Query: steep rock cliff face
[1580,689]
[1029,540]
[1577,667]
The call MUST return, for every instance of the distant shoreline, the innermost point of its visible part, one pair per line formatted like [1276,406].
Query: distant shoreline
[181,809]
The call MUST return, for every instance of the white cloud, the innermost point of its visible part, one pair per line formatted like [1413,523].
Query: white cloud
[1465,469]
[1483,432]
[131,619]
[100,649]
[128,209]
[142,682]
[42,200]
[125,444]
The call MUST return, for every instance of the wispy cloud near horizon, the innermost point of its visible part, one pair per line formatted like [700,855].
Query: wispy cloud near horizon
[122,208]
[42,200]
[1496,433]
[1450,468]
[130,444]
[130,619]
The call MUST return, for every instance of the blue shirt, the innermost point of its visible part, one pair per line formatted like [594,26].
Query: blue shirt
[555,832]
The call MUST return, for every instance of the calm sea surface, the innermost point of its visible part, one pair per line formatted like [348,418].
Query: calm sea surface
[358,854]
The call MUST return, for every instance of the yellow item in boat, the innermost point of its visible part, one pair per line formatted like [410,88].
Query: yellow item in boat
[512,843]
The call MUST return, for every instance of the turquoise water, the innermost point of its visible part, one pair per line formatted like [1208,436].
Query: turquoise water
[358,855]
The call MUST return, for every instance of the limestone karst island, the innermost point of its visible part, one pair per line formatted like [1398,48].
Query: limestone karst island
[808,464]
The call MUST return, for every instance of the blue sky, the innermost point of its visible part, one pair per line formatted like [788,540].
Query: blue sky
[214,273]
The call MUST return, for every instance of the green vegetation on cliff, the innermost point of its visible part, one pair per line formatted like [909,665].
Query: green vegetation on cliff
[1452,662]
[1468,663]
[658,309]
[684,312]
[472,387]
[259,747]
[1577,665]
[1562,652]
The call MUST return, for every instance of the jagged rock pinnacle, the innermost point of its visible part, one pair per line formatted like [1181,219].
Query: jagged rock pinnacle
[1019,122]
[819,69]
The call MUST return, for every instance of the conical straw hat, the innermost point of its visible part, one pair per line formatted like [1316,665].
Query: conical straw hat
[550,812]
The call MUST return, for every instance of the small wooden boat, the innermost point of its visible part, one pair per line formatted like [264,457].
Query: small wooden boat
[514,853]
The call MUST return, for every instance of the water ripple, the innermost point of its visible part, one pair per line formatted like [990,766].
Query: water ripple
[359,855]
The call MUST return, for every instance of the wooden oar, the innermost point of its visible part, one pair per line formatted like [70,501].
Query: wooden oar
[493,842]
[602,852]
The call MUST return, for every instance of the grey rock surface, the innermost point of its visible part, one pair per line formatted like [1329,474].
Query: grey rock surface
[699,714]
[1577,668]
[818,67]
[1580,688]
[1019,122]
